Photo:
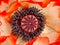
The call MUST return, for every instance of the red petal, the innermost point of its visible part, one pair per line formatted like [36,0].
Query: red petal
[13,39]
[43,3]
[57,42]
[14,6]
[3,38]
[41,41]
[6,1]
[57,2]
[3,13]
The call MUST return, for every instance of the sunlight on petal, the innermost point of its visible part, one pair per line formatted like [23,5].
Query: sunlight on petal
[41,41]
[5,27]
[52,35]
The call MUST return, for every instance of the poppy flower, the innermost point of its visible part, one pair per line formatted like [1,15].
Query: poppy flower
[30,22]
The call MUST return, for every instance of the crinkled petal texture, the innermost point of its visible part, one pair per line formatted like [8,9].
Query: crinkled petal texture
[51,10]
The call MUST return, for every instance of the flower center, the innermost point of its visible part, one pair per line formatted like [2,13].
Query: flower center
[29,23]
